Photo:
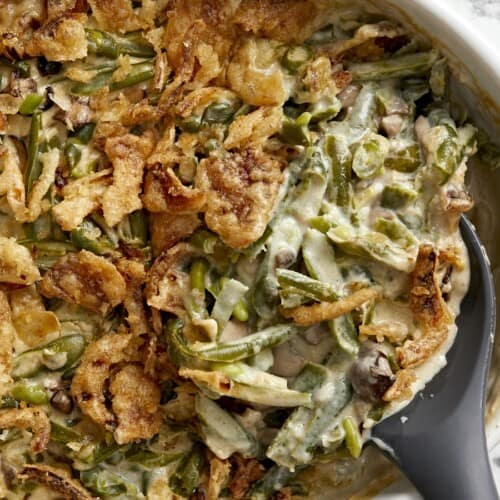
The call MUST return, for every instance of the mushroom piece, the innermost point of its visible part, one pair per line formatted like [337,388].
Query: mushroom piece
[371,374]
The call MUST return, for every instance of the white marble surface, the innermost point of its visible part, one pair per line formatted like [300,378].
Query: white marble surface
[483,15]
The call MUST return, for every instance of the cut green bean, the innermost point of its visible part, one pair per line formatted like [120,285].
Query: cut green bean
[396,196]
[187,475]
[222,433]
[199,269]
[101,43]
[296,132]
[140,73]
[220,112]
[368,160]
[88,236]
[395,67]
[325,109]
[61,434]
[310,287]
[152,460]
[33,165]
[29,392]
[353,439]
[274,480]
[30,104]
[406,159]
[296,56]
[230,294]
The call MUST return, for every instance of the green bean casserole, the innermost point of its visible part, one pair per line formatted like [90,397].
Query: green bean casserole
[229,242]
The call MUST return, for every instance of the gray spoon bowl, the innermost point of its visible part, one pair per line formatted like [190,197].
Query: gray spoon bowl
[439,440]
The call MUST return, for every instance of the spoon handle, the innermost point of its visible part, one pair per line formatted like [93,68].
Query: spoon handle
[446,464]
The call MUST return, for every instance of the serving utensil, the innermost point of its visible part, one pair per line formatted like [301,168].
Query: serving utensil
[439,440]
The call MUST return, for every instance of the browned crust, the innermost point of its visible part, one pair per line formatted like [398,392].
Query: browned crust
[56,479]
[32,419]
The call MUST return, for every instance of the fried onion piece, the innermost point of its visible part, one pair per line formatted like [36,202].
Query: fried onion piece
[7,336]
[55,479]
[429,310]
[198,38]
[81,197]
[254,128]
[136,400]
[11,179]
[394,331]
[168,282]
[401,389]
[246,472]
[255,73]
[128,154]
[61,39]
[283,20]
[135,277]
[325,311]
[168,229]
[85,279]
[16,263]
[220,471]
[116,15]
[242,189]
[88,385]
[164,192]
[32,419]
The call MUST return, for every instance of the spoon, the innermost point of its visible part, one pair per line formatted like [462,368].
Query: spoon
[439,440]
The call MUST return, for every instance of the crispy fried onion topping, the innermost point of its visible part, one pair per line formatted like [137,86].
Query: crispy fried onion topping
[429,310]
[135,397]
[325,311]
[32,419]
[81,197]
[242,189]
[85,279]
[220,471]
[128,154]
[168,282]
[60,39]
[166,229]
[164,192]
[55,479]
[7,336]
[246,472]
[401,389]
[16,263]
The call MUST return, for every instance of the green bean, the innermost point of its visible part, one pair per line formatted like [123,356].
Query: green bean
[344,331]
[187,475]
[396,196]
[102,452]
[222,433]
[46,253]
[133,229]
[231,292]
[353,439]
[33,166]
[406,159]
[368,160]
[105,483]
[88,236]
[395,67]
[438,78]
[30,104]
[338,150]
[362,115]
[295,57]
[396,231]
[310,287]
[289,450]
[296,132]
[141,72]
[101,43]
[273,480]
[84,133]
[245,347]
[61,434]
[73,155]
[29,392]
[240,311]
[247,384]
[21,67]
[199,269]
[152,460]
[220,112]
[191,124]
[327,108]
[69,348]
[8,402]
